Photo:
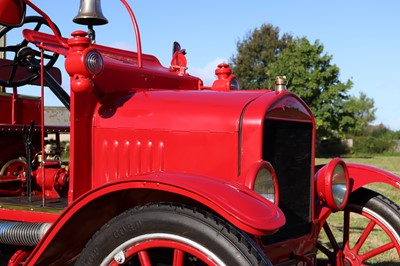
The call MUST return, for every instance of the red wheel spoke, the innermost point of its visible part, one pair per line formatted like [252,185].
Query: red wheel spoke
[378,251]
[178,257]
[114,263]
[179,251]
[144,258]
[370,224]
[364,236]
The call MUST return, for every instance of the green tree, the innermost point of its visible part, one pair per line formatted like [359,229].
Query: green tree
[258,50]
[364,112]
[313,77]
[397,135]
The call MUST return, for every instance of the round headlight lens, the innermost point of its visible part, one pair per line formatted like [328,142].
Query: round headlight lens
[94,62]
[265,185]
[339,185]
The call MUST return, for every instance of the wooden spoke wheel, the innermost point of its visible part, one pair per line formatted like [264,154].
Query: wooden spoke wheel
[367,231]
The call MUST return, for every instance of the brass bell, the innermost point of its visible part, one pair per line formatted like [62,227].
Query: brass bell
[90,13]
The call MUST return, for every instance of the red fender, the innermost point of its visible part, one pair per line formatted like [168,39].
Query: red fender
[361,175]
[234,202]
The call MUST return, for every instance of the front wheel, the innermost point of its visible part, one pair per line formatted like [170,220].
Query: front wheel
[170,234]
[367,231]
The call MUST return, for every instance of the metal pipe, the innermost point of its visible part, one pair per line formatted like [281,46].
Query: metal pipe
[22,233]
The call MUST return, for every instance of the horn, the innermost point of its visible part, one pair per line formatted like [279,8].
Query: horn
[90,13]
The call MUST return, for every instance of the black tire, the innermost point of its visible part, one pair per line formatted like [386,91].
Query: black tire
[195,231]
[371,217]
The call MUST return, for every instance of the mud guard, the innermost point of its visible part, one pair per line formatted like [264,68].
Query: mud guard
[237,204]
[361,175]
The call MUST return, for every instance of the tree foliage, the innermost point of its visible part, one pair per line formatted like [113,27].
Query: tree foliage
[313,77]
[263,54]
[258,50]
[396,135]
[364,112]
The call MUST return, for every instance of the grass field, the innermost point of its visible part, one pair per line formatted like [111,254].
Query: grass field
[358,223]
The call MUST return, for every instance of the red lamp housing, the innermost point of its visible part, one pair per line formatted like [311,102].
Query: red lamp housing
[333,184]
[262,179]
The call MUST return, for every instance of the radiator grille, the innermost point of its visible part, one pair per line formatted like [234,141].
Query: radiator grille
[287,146]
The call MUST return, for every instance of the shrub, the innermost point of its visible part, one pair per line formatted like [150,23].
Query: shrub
[371,145]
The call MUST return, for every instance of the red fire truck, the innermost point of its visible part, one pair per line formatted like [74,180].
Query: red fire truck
[166,171]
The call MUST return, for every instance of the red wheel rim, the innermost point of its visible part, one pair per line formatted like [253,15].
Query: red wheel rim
[15,168]
[354,250]
[355,253]
[178,245]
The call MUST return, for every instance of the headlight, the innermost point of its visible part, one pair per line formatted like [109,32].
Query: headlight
[94,62]
[263,179]
[333,184]
[234,84]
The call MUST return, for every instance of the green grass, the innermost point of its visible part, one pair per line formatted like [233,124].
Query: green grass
[358,223]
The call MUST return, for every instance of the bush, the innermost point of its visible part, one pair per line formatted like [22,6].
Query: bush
[371,145]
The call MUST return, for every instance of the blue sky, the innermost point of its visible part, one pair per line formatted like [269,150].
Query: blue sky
[362,36]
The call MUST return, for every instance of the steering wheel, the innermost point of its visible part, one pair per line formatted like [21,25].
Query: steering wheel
[17,70]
